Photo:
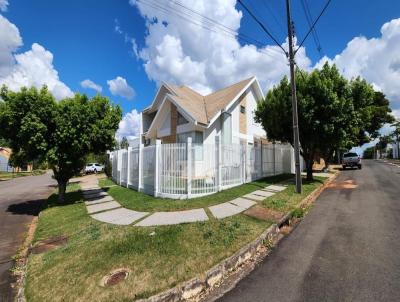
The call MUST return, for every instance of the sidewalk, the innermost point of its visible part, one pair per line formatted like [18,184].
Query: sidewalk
[104,208]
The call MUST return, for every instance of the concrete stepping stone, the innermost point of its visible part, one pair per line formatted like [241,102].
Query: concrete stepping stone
[265,194]
[120,216]
[99,200]
[96,195]
[275,188]
[243,203]
[254,197]
[92,191]
[225,209]
[102,206]
[169,218]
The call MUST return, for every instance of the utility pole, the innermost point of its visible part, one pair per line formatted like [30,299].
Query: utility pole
[294,101]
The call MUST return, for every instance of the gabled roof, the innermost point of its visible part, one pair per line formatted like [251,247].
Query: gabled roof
[204,109]
[219,100]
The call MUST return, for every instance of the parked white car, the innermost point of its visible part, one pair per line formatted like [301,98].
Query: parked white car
[94,168]
[351,159]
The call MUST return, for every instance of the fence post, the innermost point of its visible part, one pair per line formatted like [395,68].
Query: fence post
[128,176]
[140,168]
[261,156]
[218,161]
[119,165]
[189,166]
[274,155]
[156,167]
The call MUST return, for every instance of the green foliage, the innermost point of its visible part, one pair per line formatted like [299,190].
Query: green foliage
[62,133]
[124,143]
[334,113]
[369,153]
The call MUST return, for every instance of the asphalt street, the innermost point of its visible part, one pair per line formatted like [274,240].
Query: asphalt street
[20,200]
[346,249]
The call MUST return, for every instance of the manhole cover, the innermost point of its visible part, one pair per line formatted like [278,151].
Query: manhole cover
[115,277]
[49,244]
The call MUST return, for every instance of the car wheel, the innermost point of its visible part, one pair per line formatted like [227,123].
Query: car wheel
[359,167]
[344,167]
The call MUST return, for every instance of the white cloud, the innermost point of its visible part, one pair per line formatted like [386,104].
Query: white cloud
[10,41]
[376,59]
[3,5]
[181,52]
[31,68]
[119,86]
[92,85]
[129,126]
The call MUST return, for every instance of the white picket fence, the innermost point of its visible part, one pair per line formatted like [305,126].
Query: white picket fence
[187,170]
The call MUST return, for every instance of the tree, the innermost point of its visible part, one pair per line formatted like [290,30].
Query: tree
[124,144]
[333,113]
[369,153]
[62,133]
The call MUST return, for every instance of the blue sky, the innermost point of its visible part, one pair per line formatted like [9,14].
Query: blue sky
[85,43]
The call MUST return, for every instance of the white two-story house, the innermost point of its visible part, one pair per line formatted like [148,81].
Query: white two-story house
[179,112]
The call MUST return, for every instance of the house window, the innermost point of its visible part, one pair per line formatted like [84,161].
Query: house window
[242,109]
[198,145]
[181,119]
[226,128]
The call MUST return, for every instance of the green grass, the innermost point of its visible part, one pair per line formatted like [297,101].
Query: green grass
[106,182]
[288,199]
[174,254]
[138,201]
[157,262]
[11,175]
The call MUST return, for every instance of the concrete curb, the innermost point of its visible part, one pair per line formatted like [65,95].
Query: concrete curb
[192,289]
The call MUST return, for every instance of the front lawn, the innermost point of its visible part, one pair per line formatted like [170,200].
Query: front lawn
[158,257]
[138,201]
[11,175]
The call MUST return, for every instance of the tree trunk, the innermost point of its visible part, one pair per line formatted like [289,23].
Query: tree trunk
[62,186]
[309,165]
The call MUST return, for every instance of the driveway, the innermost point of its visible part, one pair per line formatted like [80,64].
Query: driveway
[20,200]
[346,249]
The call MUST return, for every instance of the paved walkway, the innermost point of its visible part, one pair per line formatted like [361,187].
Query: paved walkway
[104,208]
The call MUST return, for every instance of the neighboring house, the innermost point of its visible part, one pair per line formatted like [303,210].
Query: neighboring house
[177,113]
[395,148]
[5,154]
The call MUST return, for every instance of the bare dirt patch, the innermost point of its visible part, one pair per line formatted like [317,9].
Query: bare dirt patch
[115,277]
[347,184]
[49,244]
[264,213]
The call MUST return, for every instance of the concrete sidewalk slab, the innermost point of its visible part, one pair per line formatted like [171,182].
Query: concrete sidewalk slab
[225,209]
[120,216]
[275,188]
[102,207]
[265,194]
[92,191]
[254,197]
[243,203]
[99,200]
[169,218]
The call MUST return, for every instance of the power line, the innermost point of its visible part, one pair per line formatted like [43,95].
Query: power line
[307,13]
[263,27]
[219,29]
[315,22]
[277,21]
